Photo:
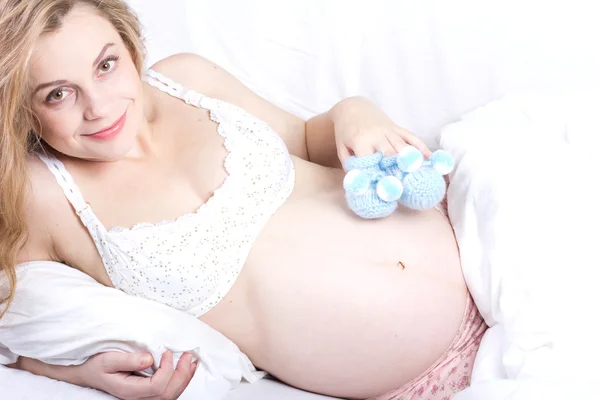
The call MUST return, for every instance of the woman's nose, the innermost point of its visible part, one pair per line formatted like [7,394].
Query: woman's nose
[97,106]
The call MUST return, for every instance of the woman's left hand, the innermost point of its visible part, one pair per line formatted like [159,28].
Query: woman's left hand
[361,129]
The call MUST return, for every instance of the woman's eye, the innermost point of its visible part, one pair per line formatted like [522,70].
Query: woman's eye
[106,66]
[57,95]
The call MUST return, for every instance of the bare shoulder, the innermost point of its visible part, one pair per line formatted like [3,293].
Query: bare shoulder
[200,74]
[55,232]
[42,207]
[206,77]
[43,184]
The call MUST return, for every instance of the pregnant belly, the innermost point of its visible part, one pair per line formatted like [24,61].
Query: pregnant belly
[343,306]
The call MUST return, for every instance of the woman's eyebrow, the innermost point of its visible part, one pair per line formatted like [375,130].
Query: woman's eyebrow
[47,84]
[62,81]
[106,46]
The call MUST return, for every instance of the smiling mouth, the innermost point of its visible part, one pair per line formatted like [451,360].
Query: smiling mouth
[111,131]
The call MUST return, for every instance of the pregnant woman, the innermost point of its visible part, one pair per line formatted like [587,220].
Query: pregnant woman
[180,185]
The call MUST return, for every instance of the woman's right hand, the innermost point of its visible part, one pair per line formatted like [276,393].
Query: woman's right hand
[113,373]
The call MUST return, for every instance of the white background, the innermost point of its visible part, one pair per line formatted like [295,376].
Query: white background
[424,62]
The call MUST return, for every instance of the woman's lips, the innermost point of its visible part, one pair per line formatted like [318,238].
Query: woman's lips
[111,131]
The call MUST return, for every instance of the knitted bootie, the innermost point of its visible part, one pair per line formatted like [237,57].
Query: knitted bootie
[425,188]
[362,183]
[422,182]
[390,187]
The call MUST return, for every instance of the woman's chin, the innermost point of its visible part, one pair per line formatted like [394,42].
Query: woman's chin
[108,155]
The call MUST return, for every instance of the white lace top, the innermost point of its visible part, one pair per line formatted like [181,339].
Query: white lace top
[192,262]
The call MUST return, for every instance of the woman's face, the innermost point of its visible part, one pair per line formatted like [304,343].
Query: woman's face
[86,91]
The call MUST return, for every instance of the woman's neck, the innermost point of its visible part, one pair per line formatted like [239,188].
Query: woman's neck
[145,145]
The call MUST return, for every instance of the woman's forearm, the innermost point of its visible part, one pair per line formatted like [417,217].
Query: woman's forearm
[320,140]
[68,374]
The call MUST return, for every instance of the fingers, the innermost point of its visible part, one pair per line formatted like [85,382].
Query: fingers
[343,153]
[181,377]
[129,386]
[414,141]
[125,362]
[362,148]
[160,380]
[386,147]
[396,143]
[389,143]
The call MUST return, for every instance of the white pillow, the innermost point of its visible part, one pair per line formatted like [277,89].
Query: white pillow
[62,316]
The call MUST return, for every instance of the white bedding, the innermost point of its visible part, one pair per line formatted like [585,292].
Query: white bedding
[524,205]
[19,385]
[425,63]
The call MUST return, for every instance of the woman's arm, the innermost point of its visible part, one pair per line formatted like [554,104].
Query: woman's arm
[113,373]
[60,373]
[353,126]
[320,140]
[200,74]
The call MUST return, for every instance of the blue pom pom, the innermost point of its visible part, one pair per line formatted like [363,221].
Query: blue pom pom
[442,161]
[409,159]
[356,182]
[389,188]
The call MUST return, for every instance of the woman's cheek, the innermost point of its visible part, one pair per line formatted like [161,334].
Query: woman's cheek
[130,82]
[61,126]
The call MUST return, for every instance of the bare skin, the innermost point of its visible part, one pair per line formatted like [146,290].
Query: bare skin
[326,301]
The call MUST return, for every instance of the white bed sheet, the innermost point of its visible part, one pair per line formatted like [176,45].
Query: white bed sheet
[523,201]
[19,385]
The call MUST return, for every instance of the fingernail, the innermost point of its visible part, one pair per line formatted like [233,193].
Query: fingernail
[146,359]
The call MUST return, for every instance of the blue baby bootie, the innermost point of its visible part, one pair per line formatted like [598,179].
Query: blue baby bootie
[375,184]
[423,189]
[362,183]
[424,184]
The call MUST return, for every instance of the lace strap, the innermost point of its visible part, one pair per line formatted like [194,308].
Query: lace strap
[173,88]
[69,187]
